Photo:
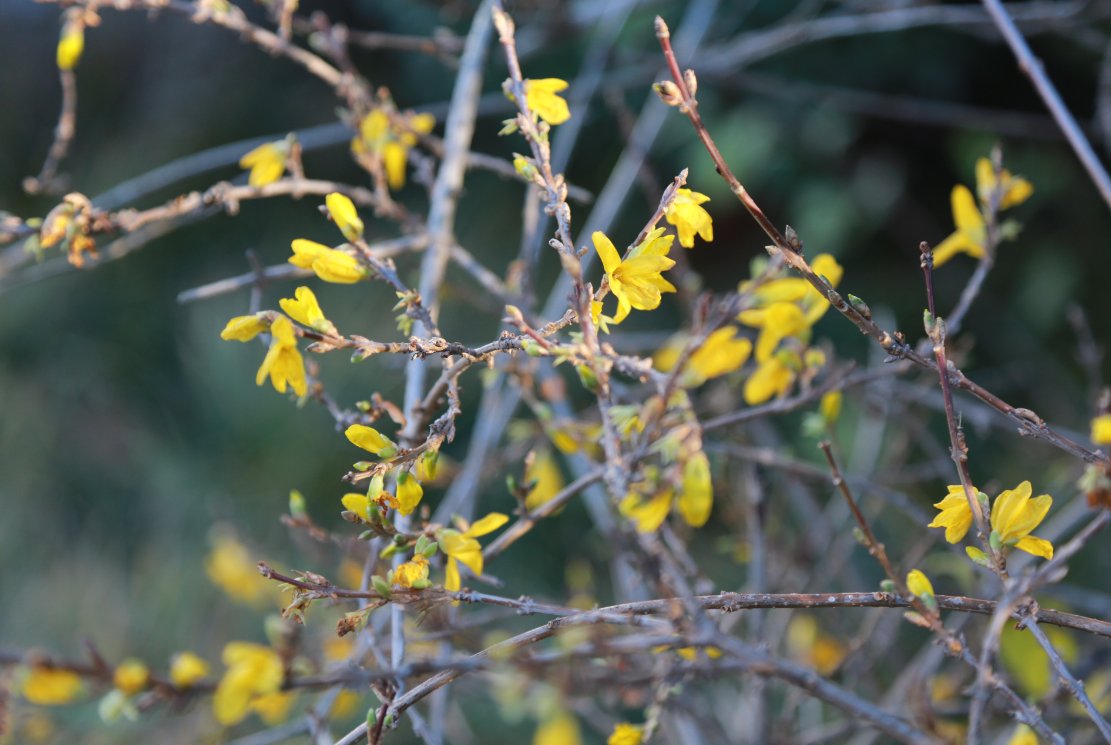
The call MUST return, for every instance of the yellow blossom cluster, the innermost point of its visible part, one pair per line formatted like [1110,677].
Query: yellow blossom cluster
[391,140]
[460,547]
[971,235]
[1014,515]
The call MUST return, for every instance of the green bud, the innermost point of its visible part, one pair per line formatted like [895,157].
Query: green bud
[887,586]
[375,487]
[587,378]
[296,504]
[363,406]
[366,535]
[372,718]
[858,534]
[363,465]
[381,586]
[977,556]
[389,551]
[928,321]
[421,584]
[995,540]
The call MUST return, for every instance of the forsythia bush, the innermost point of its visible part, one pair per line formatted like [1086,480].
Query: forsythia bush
[668,443]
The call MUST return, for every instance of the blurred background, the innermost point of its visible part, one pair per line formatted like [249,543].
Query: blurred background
[129,432]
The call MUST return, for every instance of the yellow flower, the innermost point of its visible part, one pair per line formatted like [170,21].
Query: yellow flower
[814,304]
[549,480]
[830,406]
[267,162]
[283,363]
[378,136]
[955,515]
[187,669]
[697,498]
[721,354]
[409,572]
[344,215]
[231,568]
[244,328]
[776,322]
[462,547]
[772,377]
[48,686]
[1022,735]
[1015,514]
[541,96]
[357,503]
[1101,429]
[70,44]
[253,671]
[371,440]
[338,267]
[971,233]
[919,584]
[626,734]
[409,493]
[647,514]
[1014,190]
[561,729]
[131,676]
[689,217]
[601,321]
[304,309]
[273,708]
[808,644]
[636,282]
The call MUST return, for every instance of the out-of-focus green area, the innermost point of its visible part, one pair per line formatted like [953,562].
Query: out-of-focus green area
[128,429]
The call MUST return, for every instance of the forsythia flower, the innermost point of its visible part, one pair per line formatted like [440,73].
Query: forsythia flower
[955,515]
[273,708]
[647,514]
[186,669]
[772,378]
[345,216]
[809,644]
[70,44]
[244,328]
[1101,430]
[267,162]
[1013,190]
[549,480]
[283,363]
[304,309]
[971,233]
[462,547]
[47,686]
[409,493]
[626,734]
[561,729]
[371,440]
[919,584]
[830,406]
[409,572]
[636,282]
[689,217]
[721,354]
[377,135]
[231,568]
[253,671]
[697,497]
[543,99]
[329,264]
[1015,514]
[131,676]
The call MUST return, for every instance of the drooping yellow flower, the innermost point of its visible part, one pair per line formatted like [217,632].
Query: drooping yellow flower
[391,142]
[304,309]
[1101,429]
[1022,735]
[412,571]
[721,354]
[267,162]
[647,513]
[409,493]
[371,440]
[971,233]
[71,43]
[689,217]
[543,99]
[626,734]
[547,477]
[1015,514]
[776,322]
[461,547]
[331,265]
[49,686]
[344,215]
[955,515]
[131,676]
[253,671]
[697,497]
[187,669]
[244,328]
[1014,190]
[232,568]
[560,729]
[771,378]
[919,584]
[637,281]
[283,362]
